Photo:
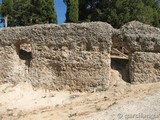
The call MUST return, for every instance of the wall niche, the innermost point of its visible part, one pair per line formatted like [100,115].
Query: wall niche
[24,51]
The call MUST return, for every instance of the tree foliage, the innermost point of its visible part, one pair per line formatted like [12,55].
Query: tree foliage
[29,12]
[72,10]
[118,12]
[7,7]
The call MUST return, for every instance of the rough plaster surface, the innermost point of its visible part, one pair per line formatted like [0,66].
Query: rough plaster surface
[145,67]
[76,56]
[70,56]
[136,36]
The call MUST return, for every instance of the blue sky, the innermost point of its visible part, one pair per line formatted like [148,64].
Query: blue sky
[60,8]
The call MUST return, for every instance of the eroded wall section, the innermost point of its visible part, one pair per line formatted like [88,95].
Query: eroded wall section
[70,56]
[145,67]
[141,43]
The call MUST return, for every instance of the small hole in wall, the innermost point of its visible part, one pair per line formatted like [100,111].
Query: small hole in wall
[88,46]
[138,40]
[24,55]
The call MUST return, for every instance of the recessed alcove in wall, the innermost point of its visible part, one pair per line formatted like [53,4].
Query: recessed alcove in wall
[23,49]
[122,66]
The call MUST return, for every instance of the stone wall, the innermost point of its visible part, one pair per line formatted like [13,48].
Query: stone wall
[145,67]
[136,36]
[70,56]
[141,43]
[78,56]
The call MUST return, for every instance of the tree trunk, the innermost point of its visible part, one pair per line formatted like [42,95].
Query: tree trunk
[6,20]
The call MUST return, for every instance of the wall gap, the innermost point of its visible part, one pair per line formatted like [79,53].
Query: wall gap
[122,66]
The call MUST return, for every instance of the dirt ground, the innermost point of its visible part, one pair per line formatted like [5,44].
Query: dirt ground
[22,102]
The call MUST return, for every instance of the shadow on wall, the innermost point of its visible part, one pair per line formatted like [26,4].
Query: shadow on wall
[122,66]
[27,56]
[23,49]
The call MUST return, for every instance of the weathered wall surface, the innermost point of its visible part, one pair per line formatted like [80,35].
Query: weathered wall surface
[77,56]
[136,36]
[145,67]
[70,56]
[142,44]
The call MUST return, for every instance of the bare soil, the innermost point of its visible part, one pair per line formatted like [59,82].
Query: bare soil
[23,102]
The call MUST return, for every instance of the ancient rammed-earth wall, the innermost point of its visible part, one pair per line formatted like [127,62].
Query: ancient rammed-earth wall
[79,56]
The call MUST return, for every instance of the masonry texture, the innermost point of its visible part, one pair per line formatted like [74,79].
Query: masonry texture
[142,45]
[145,67]
[77,56]
[70,56]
